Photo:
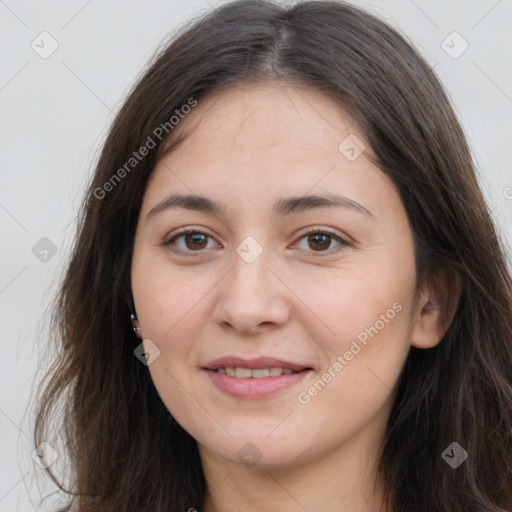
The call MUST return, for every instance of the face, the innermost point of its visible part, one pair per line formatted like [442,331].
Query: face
[282,321]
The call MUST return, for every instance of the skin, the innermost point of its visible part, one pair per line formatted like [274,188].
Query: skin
[299,300]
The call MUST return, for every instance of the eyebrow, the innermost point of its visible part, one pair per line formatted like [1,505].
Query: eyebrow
[282,207]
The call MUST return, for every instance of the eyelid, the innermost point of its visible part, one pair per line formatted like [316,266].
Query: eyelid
[311,230]
[184,231]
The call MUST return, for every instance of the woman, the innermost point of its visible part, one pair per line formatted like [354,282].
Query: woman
[286,209]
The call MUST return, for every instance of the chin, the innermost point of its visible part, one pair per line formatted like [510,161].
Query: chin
[260,452]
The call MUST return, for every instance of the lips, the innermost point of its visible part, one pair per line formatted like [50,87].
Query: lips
[252,379]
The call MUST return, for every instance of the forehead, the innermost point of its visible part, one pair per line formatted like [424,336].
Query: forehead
[258,127]
[258,142]
[269,114]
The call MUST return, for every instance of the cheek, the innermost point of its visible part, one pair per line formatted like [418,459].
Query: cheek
[363,364]
[170,307]
[167,299]
[173,306]
[352,303]
[366,312]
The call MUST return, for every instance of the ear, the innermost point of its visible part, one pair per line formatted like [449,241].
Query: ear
[435,308]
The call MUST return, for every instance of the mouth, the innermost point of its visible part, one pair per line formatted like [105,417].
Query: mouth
[227,365]
[255,378]
[256,373]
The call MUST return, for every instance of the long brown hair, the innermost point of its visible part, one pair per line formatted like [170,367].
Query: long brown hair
[125,450]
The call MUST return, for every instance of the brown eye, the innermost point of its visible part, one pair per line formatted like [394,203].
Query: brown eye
[188,241]
[195,240]
[319,241]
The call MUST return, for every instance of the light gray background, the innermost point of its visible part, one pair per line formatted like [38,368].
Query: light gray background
[54,116]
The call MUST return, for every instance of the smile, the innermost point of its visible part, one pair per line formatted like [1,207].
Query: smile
[257,383]
[257,373]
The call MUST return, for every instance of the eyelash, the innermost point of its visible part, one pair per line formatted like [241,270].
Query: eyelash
[169,243]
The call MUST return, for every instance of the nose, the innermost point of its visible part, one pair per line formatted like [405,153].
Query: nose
[252,297]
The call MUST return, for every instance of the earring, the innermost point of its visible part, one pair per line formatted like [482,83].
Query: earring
[135,325]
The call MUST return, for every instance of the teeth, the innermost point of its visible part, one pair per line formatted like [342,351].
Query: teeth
[260,373]
[243,373]
[257,373]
